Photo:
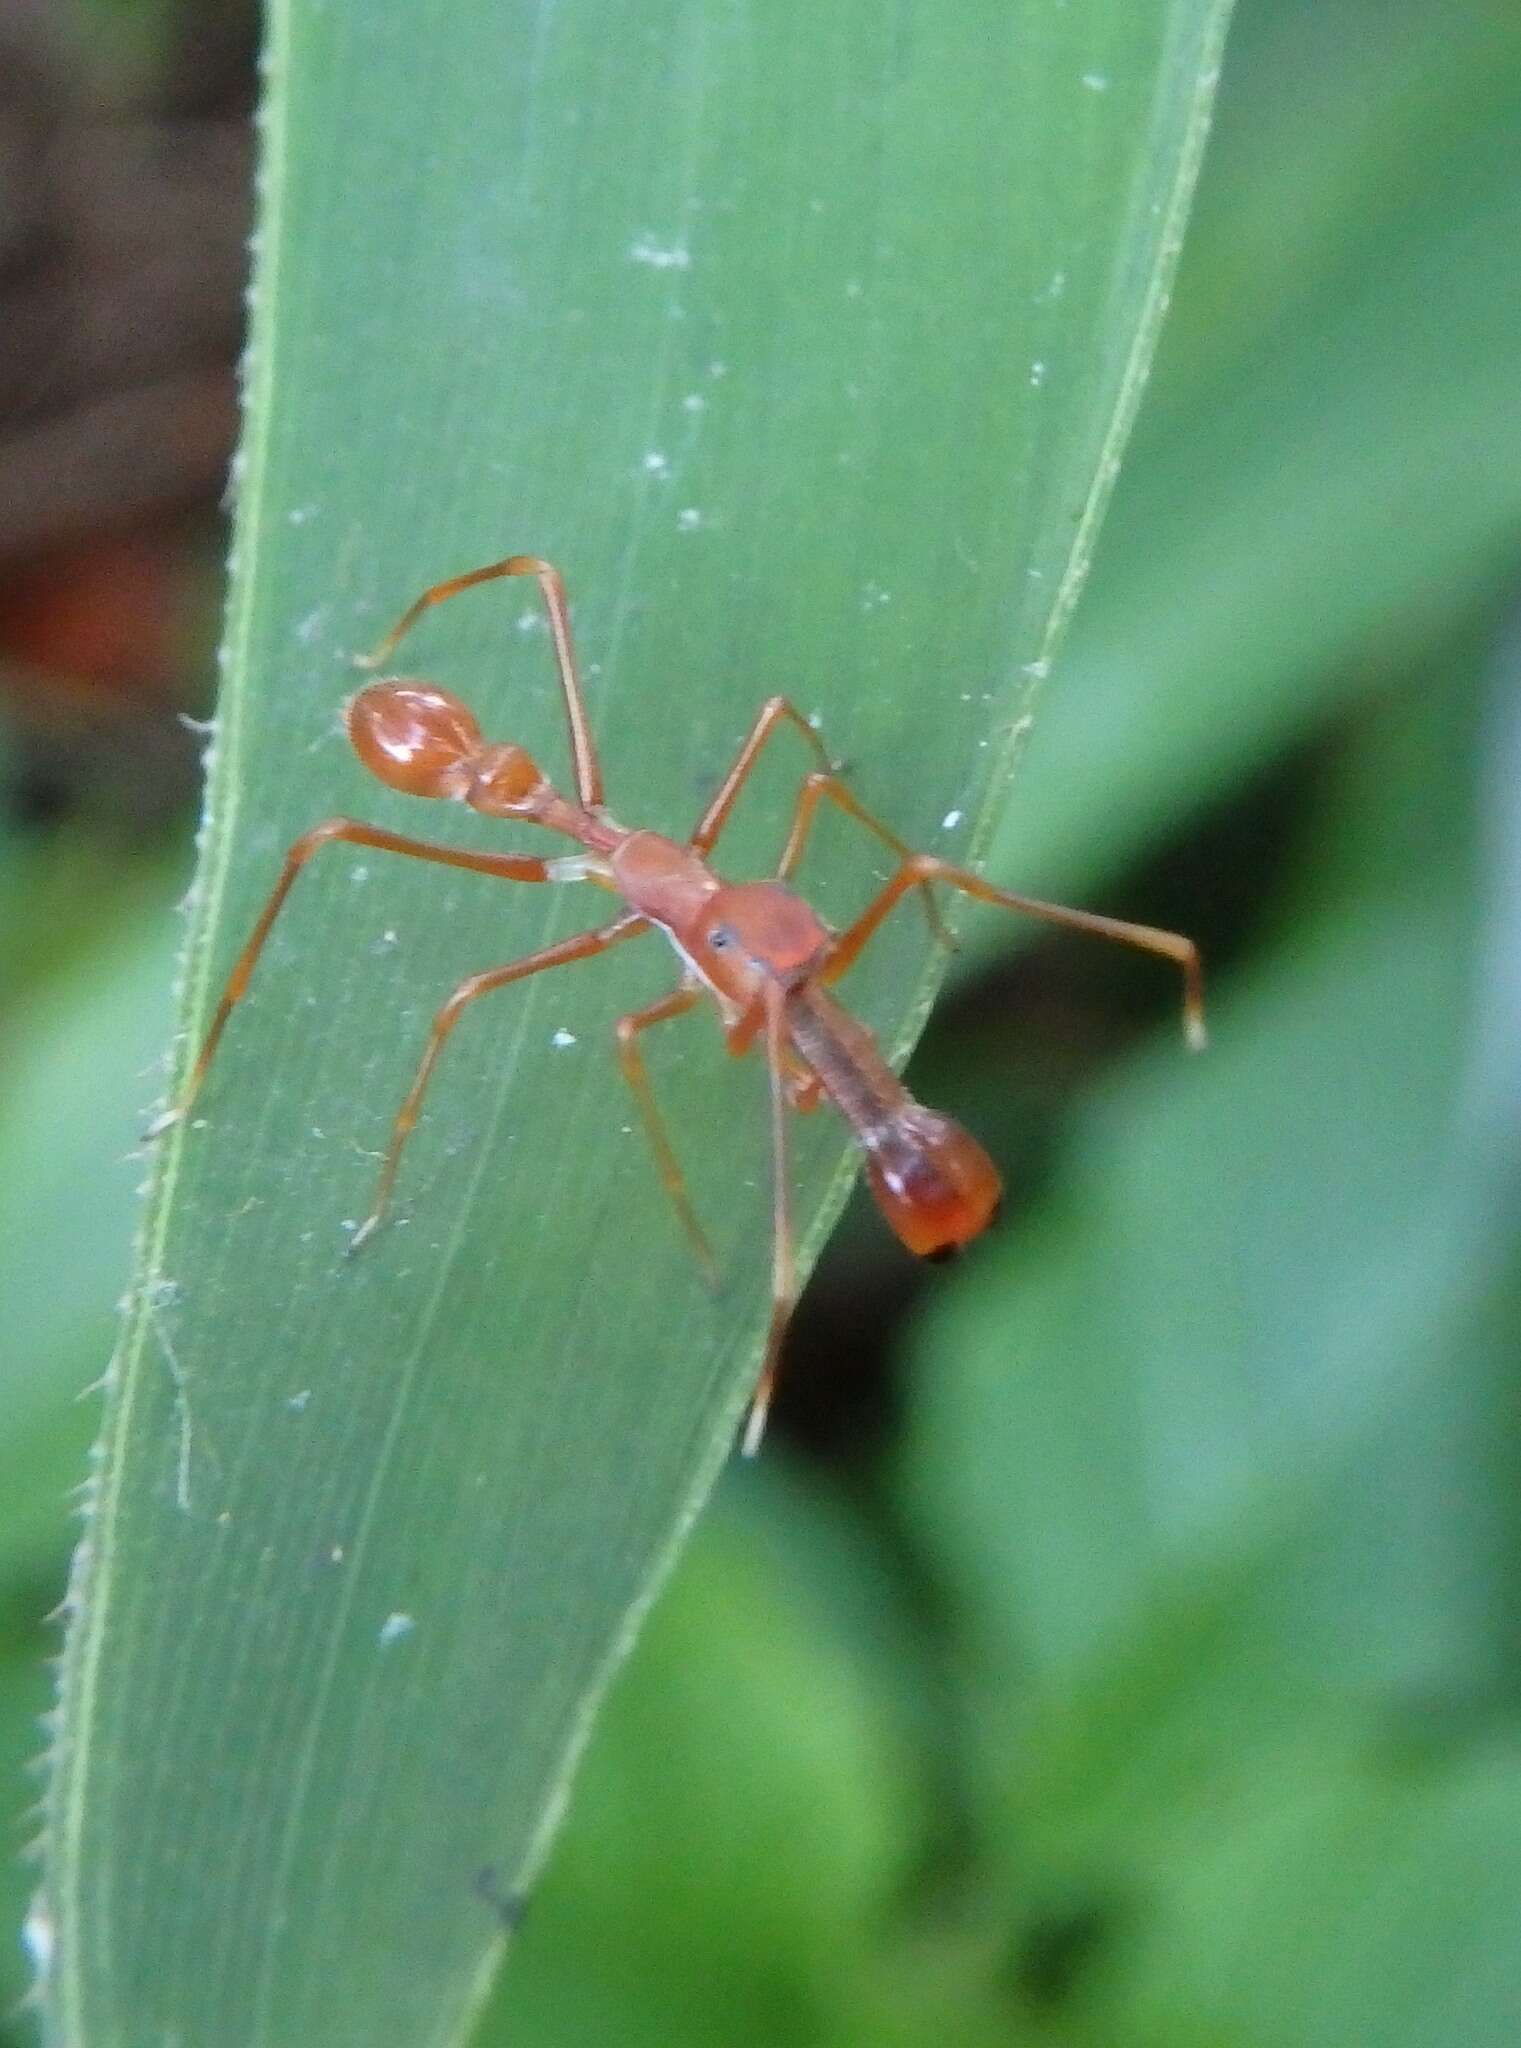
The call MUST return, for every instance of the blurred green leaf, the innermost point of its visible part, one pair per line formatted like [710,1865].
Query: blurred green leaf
[84,1034]
[62,897]
[1226,1272]
[816,335]
[1219,1460]
[1328,471]
[766,1847]
[1256,1865]
[83,1057]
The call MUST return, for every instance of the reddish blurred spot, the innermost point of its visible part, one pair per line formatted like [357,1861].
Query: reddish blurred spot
[107,611]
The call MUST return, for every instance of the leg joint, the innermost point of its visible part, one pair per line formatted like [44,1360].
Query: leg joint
[318,835]
[451,1009]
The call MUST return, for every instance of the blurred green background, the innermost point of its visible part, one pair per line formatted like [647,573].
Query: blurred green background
[1121,1642]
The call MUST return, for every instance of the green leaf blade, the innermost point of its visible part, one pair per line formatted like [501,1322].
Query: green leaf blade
[371,1535]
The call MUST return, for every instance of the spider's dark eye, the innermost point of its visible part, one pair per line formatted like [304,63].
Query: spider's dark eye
[720,937]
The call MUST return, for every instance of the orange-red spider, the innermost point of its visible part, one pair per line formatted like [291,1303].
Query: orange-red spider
[756,949]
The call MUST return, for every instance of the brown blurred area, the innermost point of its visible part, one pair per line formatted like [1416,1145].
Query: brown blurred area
[125,162]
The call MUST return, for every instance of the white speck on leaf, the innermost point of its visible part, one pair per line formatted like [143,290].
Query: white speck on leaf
[37,1937]
[660,255]
[1037,375]
[950,821]
[394,1627]
[688,519]
[297,1402]
[657,464]
[563,1038]
[1095,81]
[694,402]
